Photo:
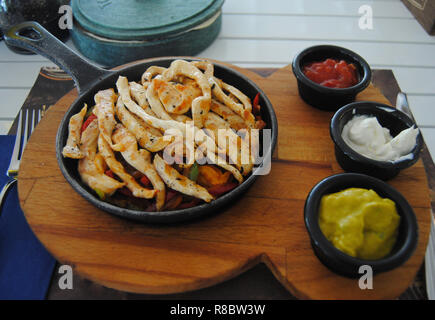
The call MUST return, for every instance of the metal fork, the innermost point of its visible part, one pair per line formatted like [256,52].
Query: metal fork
[14,165]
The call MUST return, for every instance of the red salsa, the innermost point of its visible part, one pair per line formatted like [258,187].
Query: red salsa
[332,73]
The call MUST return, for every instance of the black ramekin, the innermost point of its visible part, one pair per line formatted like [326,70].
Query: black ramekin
[340,262]
[325,98]
[388,117]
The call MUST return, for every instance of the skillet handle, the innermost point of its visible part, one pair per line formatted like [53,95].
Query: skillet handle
[32,36]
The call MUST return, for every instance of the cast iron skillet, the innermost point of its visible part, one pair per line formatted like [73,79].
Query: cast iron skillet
[90,79]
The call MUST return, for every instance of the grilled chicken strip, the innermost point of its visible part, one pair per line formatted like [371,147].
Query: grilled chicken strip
[71,149]
[154,101]
[242,109]
[201,104]
[151,72]
[89,168]
[117,168]
[176,98]
[163,125]
[236,122]
[139,93]
[178,182]
[180,117]
[148,137]
[140,160]
[226,138]
[105,112]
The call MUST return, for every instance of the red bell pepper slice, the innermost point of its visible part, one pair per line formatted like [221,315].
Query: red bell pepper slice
[255,104]
[88,121]
[145,181]
[110,174]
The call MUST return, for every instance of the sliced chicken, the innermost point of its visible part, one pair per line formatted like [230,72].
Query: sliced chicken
[183,112]
[168,95]
[207,67]
[163,125]
[90,168]
[178,182]
[154,101]
[151,72]
[242,109]
[105,112]
[71,149]
[118,169]
[180,118]
[139,93]
[180,152]
[153,130]
[201,104]
[215,123]
[100,163]
[225,137]
[238,147]
[176,97]
[236,122]
[140,160]
[148,137]
[208,144]
[236,93]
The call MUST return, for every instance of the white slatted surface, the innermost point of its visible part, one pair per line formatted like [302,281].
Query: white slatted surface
[258,33]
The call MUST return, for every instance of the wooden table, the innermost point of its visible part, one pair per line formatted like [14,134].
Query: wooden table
[257,283]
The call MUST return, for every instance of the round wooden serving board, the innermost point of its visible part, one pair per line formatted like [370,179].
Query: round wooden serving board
[266,225]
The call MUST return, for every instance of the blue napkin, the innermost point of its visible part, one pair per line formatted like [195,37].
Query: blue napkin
[25,265]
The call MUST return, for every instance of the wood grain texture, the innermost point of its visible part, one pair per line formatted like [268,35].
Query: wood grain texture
[266,225]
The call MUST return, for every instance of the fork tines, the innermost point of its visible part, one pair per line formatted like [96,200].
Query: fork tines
[31,119]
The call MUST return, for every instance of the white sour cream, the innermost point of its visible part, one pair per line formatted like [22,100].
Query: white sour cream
[366,136]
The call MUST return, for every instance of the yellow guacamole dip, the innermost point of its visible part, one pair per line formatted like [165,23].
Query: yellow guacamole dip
[359,222]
